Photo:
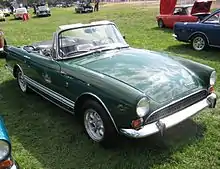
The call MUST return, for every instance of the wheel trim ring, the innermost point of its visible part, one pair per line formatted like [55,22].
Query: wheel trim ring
[92,134]
[21,82]
[198,43]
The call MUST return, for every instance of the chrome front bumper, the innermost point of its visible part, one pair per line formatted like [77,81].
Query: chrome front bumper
[15,166]
[171,120]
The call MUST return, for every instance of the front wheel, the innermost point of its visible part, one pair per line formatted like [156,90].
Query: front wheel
[199,42]
[160,23]
[97,124]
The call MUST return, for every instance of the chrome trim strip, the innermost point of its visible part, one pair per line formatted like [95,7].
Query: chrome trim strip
[103,104]
[199,33]
[50,92]
[171,120]
[50,100]
[173,102]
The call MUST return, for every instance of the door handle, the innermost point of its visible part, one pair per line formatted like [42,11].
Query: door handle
[66,75]
[27,57]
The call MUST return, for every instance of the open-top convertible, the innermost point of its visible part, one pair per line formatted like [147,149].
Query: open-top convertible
[89,70]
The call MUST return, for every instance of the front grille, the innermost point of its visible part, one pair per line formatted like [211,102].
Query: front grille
[177,106]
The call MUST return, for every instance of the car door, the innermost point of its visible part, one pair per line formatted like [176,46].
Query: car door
[43,72]
[211,28]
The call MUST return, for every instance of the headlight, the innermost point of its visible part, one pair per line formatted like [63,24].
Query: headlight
[143,107]
[4,150]
[213,78]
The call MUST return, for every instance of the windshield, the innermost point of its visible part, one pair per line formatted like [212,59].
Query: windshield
[82,40]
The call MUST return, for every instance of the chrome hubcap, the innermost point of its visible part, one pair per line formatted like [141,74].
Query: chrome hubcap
[94,125]
[198,43]
[22,82]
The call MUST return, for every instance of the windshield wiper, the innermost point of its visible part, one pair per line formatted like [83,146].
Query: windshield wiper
[74,52]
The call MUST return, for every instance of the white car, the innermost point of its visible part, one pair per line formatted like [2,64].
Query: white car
[42,10]
[19,12]
[2,16]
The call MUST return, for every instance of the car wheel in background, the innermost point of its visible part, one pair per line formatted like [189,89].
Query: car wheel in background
[160,23]
[199,42]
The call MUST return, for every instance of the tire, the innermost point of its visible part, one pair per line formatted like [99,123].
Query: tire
[199,42]
[22,84]
[93,111]
[160,23]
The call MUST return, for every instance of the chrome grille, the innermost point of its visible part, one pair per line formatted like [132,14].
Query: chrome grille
[177,106]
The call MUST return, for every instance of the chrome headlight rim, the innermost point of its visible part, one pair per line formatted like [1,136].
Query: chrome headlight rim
[213,78]
[143,107]
[9,150]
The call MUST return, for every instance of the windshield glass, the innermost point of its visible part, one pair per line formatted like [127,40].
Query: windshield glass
[81,40]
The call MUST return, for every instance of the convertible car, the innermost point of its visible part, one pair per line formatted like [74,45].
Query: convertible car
[6,160]
[201,34]
[89,70]
[170,13]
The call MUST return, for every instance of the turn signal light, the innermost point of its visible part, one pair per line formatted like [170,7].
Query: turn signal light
[6,164]
[137,123]
[211,89]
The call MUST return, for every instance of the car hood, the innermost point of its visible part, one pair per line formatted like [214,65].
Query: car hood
[167,6]
[158,76]
[201,6]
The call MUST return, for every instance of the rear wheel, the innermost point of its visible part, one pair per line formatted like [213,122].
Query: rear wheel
[97,124]
[21,81]
[160,23]
[199,42]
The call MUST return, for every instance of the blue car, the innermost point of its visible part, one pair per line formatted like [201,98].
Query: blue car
[200,34]
[6,160]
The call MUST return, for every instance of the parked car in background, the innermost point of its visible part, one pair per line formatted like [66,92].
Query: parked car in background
[200,34]
[19,12]
[89,70]
[170,13]
[2,16]
[6,159]
[6,12]
[42,10]
[83,7]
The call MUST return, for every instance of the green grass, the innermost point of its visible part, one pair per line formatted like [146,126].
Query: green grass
[44,136]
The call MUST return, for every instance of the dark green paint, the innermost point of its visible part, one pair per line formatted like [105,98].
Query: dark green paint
[118,77]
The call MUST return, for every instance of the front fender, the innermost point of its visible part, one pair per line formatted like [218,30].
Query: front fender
[202,71]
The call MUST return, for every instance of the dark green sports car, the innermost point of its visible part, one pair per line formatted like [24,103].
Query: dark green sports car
[90,71]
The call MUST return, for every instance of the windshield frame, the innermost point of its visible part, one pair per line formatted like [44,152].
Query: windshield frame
[58,57]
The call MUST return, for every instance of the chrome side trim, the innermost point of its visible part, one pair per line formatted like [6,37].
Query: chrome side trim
[50,100]
[50,92]
[171,120]
[199,33]
[103,104]
[173,102]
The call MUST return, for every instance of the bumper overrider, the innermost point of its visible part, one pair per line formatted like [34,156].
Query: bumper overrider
[172,120]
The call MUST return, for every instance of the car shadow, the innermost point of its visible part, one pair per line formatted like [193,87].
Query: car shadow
[211,53]
[165,30]
[55,138]
[39,17]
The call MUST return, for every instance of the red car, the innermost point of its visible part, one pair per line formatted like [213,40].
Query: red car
[170,13]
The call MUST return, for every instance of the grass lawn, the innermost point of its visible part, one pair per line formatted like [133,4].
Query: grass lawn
[45,137]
